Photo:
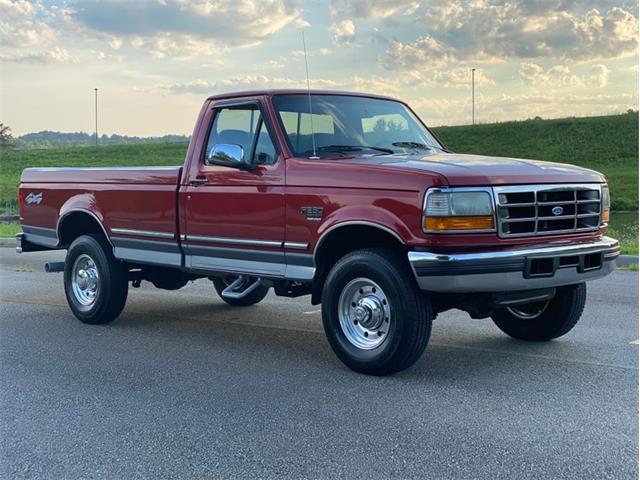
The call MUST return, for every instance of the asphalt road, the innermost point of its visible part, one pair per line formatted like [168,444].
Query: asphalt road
[182,386]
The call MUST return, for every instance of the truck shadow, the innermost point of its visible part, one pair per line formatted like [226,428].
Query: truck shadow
[217,325]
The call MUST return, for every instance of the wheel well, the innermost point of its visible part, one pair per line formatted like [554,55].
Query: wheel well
[344,240]
[75,224]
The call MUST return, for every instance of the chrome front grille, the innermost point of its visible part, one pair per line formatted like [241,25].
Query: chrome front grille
[532,210]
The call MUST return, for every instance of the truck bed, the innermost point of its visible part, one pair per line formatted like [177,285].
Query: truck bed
[135,207]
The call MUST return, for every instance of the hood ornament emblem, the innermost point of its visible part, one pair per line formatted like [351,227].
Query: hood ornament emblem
[557,210]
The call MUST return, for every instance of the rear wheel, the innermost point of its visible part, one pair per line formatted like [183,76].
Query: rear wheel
[256,296]
[95,283]
[541,321]
[376,319]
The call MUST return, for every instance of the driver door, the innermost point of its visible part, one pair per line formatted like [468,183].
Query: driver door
[234,218]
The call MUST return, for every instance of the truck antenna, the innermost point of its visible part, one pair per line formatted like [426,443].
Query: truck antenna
[306,66]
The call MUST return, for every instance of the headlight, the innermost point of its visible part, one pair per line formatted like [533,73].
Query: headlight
[458,210]
[606,204]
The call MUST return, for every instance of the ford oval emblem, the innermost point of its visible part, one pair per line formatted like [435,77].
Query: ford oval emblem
[557,210]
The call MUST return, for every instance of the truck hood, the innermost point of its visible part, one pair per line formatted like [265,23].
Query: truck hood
[460,169]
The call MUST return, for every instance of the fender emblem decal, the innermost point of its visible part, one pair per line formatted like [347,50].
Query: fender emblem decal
[312,213]
[33,198]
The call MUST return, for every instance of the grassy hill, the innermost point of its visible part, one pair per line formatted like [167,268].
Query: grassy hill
[608,144]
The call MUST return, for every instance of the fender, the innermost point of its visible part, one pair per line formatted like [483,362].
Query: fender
[369,215]
[85,203]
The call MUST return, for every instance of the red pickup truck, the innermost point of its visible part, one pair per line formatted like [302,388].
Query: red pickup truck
[346,197]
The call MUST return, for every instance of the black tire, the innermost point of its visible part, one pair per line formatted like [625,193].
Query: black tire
[558,318]
[111,293]
[407,308]
[254,297]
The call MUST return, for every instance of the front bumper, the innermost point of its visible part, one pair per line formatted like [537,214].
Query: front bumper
[517,269]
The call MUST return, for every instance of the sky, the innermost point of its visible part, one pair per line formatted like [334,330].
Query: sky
[155,61]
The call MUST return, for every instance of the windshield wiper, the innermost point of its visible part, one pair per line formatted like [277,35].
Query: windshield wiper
[352,148]
[416,145]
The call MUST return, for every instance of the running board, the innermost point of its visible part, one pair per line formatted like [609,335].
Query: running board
[230,291]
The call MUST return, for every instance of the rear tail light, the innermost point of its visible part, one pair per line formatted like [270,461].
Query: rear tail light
[20,201]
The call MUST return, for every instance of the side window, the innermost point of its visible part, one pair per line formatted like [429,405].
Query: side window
[265,151]
[236,126]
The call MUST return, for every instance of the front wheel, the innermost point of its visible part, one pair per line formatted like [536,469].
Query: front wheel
[543,321]
[376,319]
[95,282]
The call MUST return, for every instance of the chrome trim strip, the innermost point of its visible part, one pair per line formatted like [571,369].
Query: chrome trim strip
[201,263]
[235,241]
[151,257]
[98,169]
[492,281]
[296,245]
[142,233]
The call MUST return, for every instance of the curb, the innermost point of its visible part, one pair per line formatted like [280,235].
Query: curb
[626,260]
[7,242]
[623,260]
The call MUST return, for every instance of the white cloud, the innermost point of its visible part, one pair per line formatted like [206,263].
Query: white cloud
[483,31]
[560,76]
[24,24]
[185,28]
[343,31]
[56,55]
[205,87]
[372,8]
[116,43]
[425,52]
[599,75]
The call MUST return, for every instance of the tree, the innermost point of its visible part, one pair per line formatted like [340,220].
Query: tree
[6,138]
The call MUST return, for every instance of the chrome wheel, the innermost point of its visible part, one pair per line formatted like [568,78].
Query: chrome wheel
[85,281]
[364,313]
[530,311]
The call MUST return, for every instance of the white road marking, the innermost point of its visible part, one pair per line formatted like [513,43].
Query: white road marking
[635,342]
[312,312]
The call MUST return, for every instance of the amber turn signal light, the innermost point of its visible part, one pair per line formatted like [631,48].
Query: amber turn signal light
[605,215]
[439,224]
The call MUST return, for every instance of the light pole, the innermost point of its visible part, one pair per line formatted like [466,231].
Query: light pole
[473,96]
[96,101]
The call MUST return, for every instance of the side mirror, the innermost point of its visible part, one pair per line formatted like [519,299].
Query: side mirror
[228,155]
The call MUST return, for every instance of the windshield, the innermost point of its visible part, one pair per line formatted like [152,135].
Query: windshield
[344,125]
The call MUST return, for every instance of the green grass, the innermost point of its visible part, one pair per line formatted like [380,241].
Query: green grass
[9,229]
[606,144]
[624,227]
[632,268]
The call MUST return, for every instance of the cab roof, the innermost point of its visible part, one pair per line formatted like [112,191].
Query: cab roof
[295,91]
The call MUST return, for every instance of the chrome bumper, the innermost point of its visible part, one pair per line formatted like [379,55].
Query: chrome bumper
[518,269]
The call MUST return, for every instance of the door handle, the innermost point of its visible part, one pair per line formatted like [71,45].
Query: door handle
[194,182]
